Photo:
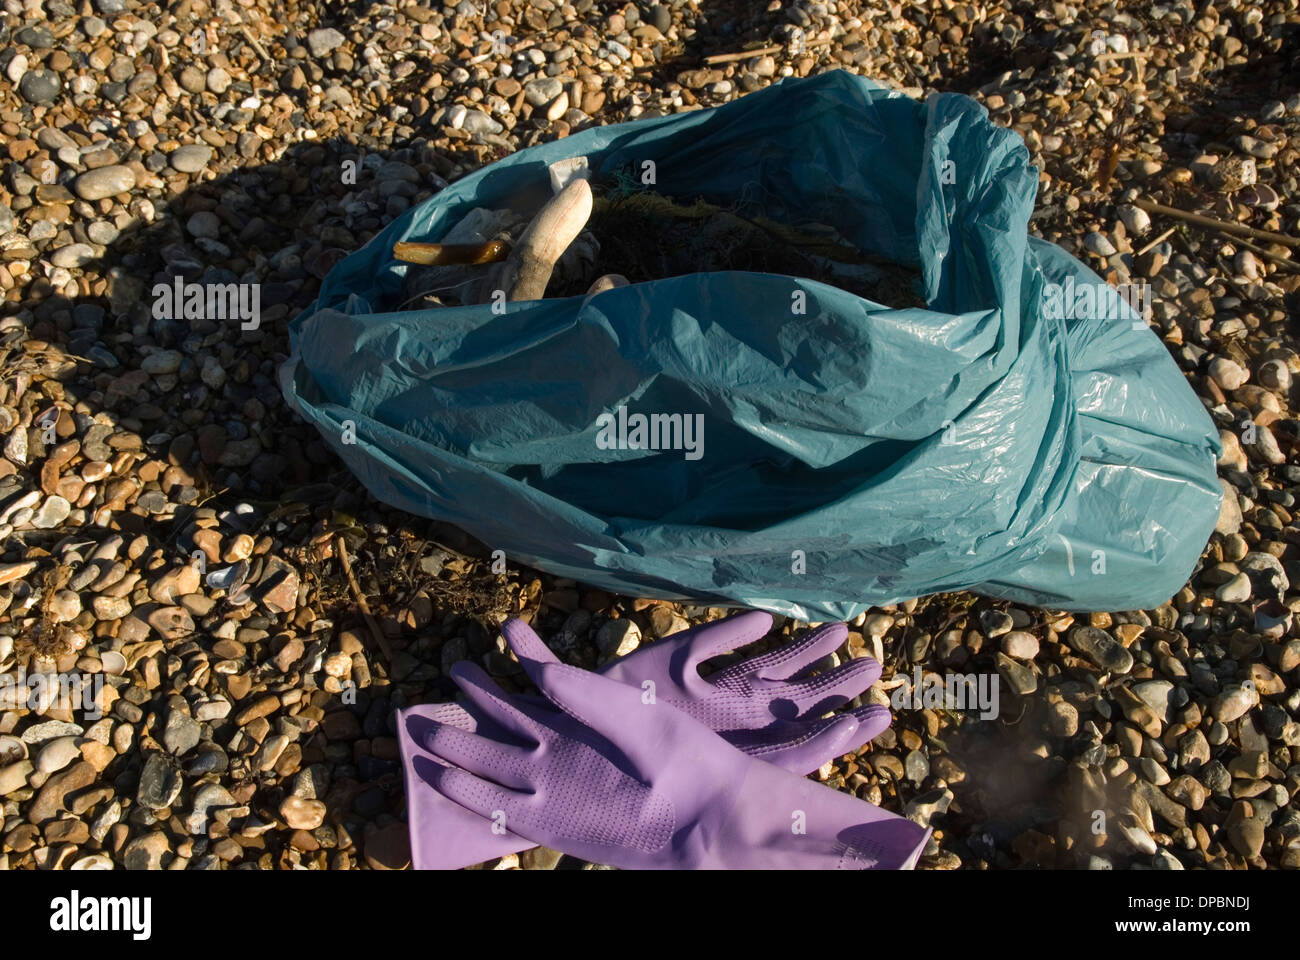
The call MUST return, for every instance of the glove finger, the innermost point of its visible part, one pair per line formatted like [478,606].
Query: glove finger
[485,798]
[486,696]
[643,732]
[873,720]
[490,759]
[526,644]
[444,835]
[416,723]
[817,742]
[722,636]
[825,691]
[788,661]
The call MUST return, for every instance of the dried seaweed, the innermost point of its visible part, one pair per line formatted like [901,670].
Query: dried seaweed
[645,235]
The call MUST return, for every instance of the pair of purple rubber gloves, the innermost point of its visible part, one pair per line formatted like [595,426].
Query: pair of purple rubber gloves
[646,764]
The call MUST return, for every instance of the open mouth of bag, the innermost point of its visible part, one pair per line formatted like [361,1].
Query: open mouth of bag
[646,235]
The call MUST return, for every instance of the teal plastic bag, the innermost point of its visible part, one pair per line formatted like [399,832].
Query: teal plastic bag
[851,454]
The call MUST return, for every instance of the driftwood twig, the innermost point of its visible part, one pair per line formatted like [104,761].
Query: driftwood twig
[1212,223]
[360,600]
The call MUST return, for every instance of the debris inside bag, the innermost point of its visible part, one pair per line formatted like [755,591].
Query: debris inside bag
[644,235]
[633,235]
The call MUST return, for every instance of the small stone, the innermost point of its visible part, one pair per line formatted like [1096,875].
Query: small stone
[149,852]
[311,783]
[111,608]
[289,654]
[182,733]
[302,814]
[57,754]
[204,225]
[1062,719]
[51,513]
[1230,518]
[190,159]
[162,362]
[1138,711]
[40,86]
[1275,375]
[278,587]
[1234,702]
[53,795]
[1188,791]
[1021,645]
[209,759]
[338,664]
[542,90]
[1136,220]
[1135,835]
[1251,765]
[1099,244]
[557,108]
[104,182]
[14,776]
[1266,447]
[1164,860]
[64,605]
[1019,678]
[924,808]
[1099,647]
[209,797]
[1267,575]
[73,255]
[1247,836]
[172,622]
[478,122]
[160,782]
[11,749]
[660,16]
[618,638]
[218,81]
[995,623]
[209,710]
[323,41]
[264,707]
[1228,374]
[1236,590]
[42,733]
[916,766]
[1158,695]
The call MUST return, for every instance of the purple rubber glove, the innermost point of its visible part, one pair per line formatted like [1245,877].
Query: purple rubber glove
[640,784]
[756,705]
[763,705]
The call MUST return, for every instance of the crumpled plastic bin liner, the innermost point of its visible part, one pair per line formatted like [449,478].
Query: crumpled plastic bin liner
[853,454]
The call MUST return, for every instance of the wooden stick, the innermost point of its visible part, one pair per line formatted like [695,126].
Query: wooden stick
[1138,55]
[442,254]
[1215,224]
[360,600]
[1289,265]
[757,52]
[254,43]
[1156,242]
